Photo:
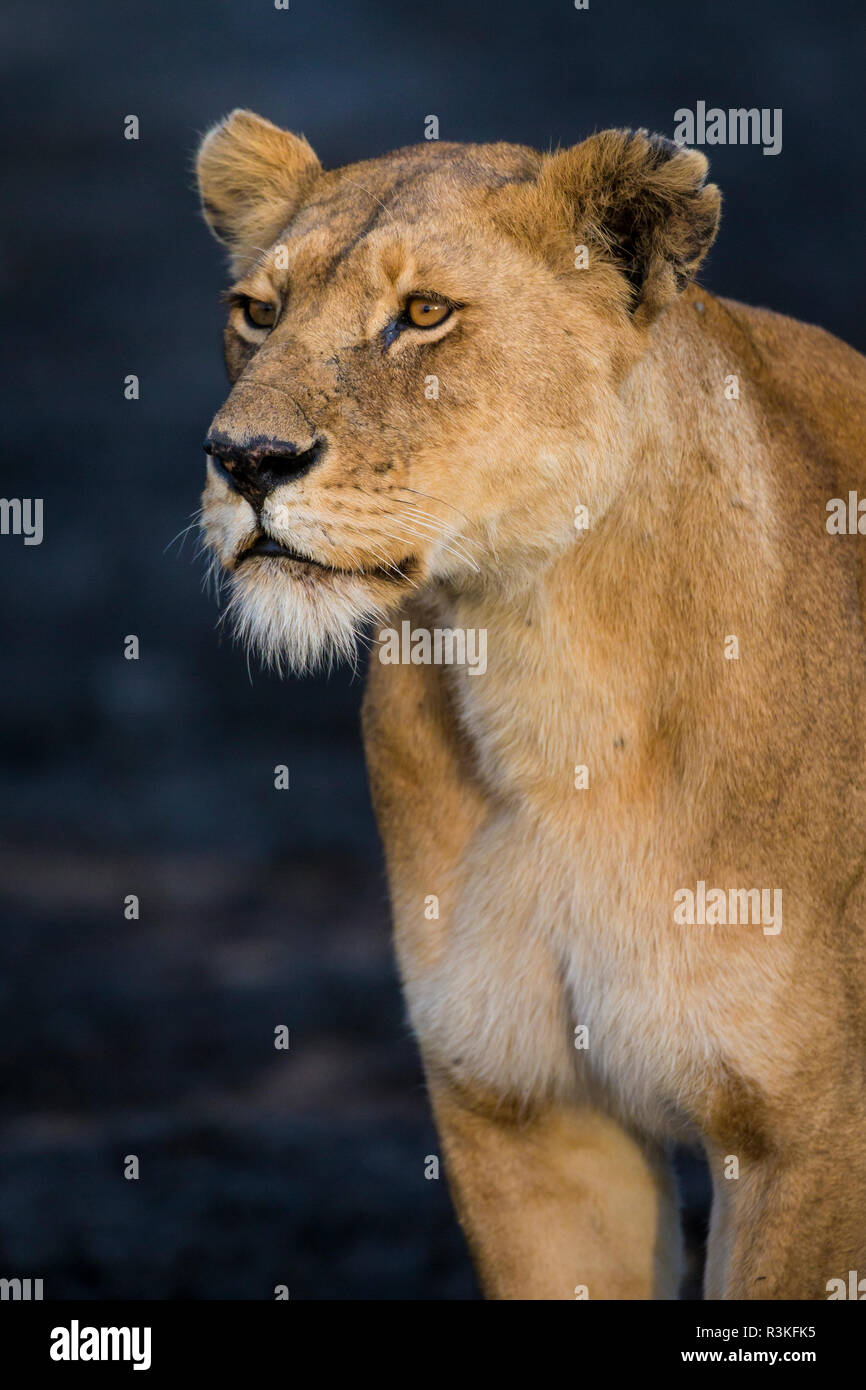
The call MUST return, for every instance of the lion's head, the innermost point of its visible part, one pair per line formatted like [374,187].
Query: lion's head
[427,352]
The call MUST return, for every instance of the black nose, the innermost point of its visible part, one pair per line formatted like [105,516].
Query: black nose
[256,468]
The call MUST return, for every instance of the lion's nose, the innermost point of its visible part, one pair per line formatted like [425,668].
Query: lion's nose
[254,469]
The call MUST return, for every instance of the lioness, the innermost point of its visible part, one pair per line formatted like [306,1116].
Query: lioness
[474,391]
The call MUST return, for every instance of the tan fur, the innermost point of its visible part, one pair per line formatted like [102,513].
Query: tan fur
[560,387]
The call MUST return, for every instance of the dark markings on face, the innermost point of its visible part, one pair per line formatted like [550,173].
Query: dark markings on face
[398,188]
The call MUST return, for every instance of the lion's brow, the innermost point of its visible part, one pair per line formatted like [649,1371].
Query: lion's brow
[372,220]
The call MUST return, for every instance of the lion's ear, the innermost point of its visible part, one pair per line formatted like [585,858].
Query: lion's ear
[642,200]
[251,177]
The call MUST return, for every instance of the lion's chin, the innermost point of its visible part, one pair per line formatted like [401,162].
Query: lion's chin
[294,618]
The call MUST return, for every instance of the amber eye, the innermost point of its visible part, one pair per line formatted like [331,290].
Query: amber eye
[426,313]
[260,313]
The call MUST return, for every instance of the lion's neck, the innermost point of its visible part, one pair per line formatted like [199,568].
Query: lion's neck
[622,634]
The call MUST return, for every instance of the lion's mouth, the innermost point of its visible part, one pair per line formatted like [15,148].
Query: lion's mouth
[266,545]
[267,548]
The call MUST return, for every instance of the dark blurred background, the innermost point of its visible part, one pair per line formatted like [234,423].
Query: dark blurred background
[155,777]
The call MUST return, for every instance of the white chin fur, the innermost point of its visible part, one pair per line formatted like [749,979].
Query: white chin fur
[298,624]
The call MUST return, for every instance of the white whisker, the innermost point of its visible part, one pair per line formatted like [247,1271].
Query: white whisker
[185,532]
[438,537]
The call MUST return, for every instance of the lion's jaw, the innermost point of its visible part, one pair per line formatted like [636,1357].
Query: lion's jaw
[345,570]
[290,612]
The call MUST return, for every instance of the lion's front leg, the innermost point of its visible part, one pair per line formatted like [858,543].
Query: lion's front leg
[559,1204]
[555,1200]
[793,1225]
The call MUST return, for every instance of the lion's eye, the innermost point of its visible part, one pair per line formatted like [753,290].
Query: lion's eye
[426,313]
[260,313]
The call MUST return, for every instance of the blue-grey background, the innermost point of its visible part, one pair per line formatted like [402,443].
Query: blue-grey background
[156,777]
